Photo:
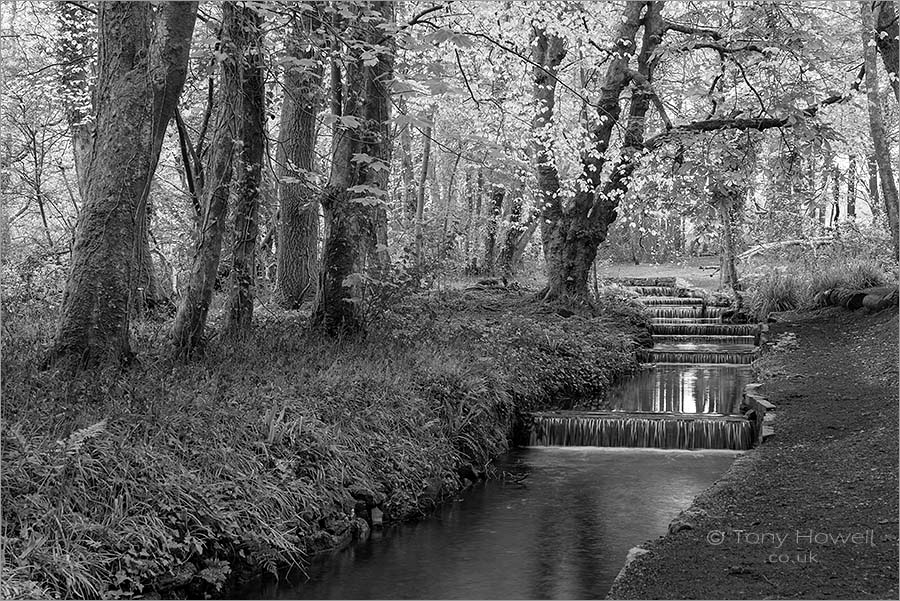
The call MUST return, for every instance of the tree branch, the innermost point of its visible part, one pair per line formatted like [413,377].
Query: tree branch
[758,123]
[466,80]
[644,84]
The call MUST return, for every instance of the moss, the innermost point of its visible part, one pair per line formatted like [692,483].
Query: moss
[173,478]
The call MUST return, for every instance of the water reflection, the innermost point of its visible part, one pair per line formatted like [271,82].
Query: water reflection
[682,389]
[563,535]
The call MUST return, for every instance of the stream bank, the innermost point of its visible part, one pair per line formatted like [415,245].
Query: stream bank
[772,527]
[182,480]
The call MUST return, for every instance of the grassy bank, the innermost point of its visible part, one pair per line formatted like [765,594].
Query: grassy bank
[173,479]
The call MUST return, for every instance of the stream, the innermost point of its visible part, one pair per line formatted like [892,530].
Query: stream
[561,534]
[596,483]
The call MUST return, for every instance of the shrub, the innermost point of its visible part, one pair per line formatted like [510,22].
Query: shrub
[776,292]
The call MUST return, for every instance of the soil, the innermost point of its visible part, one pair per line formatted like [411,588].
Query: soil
[781,523]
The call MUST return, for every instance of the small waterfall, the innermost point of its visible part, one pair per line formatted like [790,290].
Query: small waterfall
[654,321]
[666,283]
[698,339]
[653,355]
[672,300]
[677,312]
[715,311]
[661,431]
[689,328]
[667,291]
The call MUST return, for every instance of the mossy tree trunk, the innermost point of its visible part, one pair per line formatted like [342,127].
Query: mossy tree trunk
[141,68]
[187,335]
[298,229]
[357,185]
[249,177]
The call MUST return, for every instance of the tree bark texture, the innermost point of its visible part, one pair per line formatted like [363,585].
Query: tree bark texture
[142,64]
[876,126]
[357,185]
[249,178]
[190,320]
[298,229]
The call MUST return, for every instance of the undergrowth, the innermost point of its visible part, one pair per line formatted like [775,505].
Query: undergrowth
[173,479]
[800,287]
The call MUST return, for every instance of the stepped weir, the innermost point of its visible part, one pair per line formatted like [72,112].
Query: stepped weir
[688,394]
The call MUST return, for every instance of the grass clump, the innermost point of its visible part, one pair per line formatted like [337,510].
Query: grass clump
[173,479]
[796,289]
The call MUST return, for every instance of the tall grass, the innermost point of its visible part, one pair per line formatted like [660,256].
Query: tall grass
[173,477]
[801,288]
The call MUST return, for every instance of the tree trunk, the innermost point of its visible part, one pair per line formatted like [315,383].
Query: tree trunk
[142,64]
[876,126]
[498,193]
[248,180]
[851,188]
[420,198]
[298,229]
[835,195]
[191,317]
[406,167]
[513,238]
[378,142]
[356,186]
[874,202]
[573,233]
[146,291]
[727,203]
[518,258]
[547,54]
[888,41]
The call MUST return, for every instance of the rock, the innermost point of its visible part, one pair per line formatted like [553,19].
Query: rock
[361,530]
[366,495]
[686,520]
[634,553]
[877,299]
[468,472]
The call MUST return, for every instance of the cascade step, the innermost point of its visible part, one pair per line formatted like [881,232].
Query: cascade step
[647,430]
[709,354]
[667,291]
[715,311]
[700,339]
[656,282]
[678,312]
[685,320]
[671,300]
[695,328]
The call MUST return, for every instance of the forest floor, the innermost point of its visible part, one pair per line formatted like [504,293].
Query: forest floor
[171,479]
[781,522]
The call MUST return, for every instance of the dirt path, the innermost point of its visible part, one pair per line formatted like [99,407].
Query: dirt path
[781,522]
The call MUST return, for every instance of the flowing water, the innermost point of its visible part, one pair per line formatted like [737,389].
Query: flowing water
[591,492]
[562,534]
